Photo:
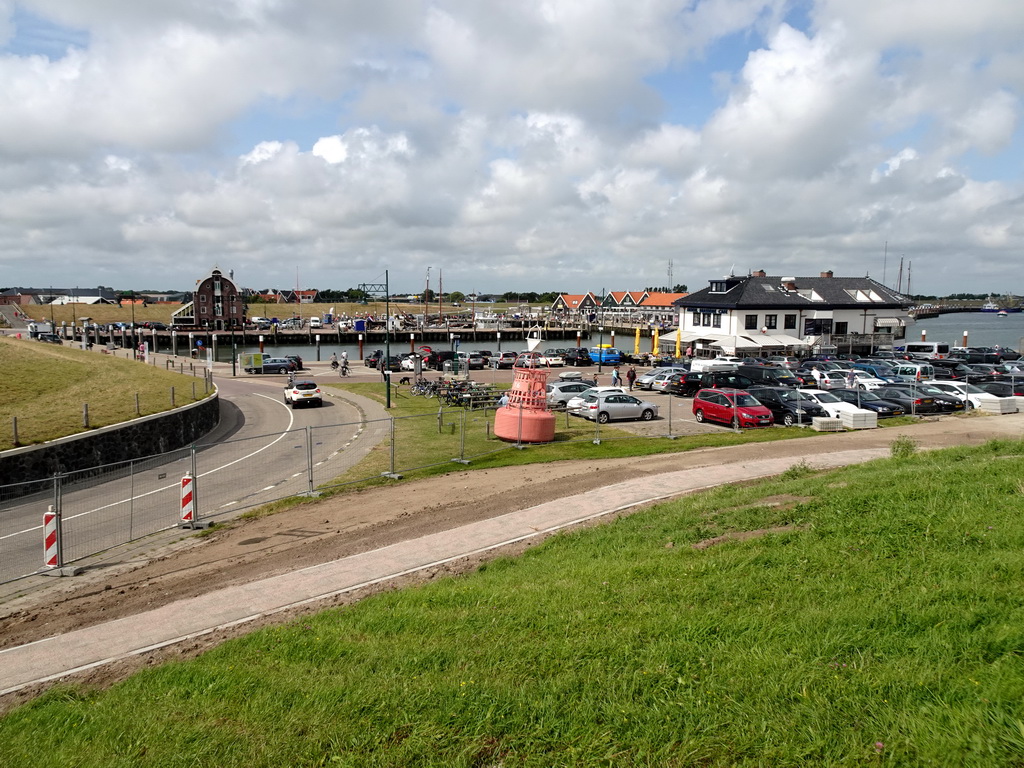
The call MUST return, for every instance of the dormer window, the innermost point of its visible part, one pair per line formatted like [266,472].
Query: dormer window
[719,286]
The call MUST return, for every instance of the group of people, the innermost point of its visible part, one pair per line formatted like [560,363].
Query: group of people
[343,364]
[630,377]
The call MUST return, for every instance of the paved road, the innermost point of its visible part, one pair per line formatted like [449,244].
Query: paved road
[261,451]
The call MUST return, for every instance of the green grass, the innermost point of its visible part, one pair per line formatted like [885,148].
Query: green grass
[885,628]
[45,386]
[420,442]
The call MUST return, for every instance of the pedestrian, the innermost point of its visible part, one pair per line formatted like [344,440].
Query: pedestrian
[504,399]
[616,377]
[689,352]
[851,379]
[334,361]
[631,377]
[817,376]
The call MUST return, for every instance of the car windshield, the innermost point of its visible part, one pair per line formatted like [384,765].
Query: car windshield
[792,397]
[974,390]
[866,396]
[826,397]
[746,400]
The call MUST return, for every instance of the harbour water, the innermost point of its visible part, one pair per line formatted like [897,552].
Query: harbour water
[984,329]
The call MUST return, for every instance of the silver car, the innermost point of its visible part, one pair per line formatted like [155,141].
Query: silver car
[613,406]
[561,392]
[646,380]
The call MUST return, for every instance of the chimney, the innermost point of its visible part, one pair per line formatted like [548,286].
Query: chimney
[827,274]
[759,273]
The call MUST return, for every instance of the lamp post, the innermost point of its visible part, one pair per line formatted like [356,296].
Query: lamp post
[600,346]
[133,323]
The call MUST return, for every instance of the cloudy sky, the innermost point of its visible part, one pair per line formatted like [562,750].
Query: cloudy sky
[568,145]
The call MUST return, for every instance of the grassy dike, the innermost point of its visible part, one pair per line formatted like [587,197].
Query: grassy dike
[44,386]
[867,616]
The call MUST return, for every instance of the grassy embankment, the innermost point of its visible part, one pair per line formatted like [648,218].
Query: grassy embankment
[881,623]
[45,386]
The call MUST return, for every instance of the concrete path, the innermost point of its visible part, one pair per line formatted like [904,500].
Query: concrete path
[90,647]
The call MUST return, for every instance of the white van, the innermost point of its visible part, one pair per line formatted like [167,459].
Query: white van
[913,372]
[927,350]
[315,322]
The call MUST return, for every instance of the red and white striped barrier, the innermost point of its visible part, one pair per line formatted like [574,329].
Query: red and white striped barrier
[187,500]
[51,539]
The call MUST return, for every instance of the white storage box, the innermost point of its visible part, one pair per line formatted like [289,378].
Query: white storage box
[826,424]
[859,419]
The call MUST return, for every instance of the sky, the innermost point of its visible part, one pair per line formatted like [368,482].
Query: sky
[511,145]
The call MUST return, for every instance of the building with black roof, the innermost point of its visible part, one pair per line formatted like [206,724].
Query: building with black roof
[763,314]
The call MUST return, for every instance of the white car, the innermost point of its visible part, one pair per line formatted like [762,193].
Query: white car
[555,360]
[973,394]
[576,403]
[303,393]
[862,380]
[833,405]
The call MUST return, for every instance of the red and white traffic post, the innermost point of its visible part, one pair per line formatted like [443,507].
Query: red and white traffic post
[52,551]
[188,497]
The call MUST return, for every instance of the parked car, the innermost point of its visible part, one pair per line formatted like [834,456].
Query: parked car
[946,403]
[952,369]
[561,392]
[910,402]
[770,376]
[645,379]
[468,361]
[787,405]
[1004,388]
[486,354]
[578,357]
[831,403]
[731,406]
[274,365]
[972,395]
[51,338]
[306,393]
[686,385]
[554,358]
[787,361]
[666,380]
[503,360]
[614,406]
[868,401]
[575,403]
[297,360]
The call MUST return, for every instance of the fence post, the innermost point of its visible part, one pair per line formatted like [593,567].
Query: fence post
[14,426]
[172,397]
[462,442]
[137,409]
[309,460]
[85,415]
[393,474]
[671,397]
[193,390]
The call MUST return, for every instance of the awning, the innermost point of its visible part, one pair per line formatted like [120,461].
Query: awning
[737,342]
[889,322]
[782,340]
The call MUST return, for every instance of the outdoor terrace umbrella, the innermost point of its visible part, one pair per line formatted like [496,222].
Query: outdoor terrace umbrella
[636,342]
[654,342]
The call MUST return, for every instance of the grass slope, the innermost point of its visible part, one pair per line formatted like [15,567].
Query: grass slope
[882,624]
[45,386]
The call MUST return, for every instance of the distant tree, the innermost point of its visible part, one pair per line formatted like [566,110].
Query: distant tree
[456,297]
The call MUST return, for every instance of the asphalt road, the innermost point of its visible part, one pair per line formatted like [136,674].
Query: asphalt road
[261,451]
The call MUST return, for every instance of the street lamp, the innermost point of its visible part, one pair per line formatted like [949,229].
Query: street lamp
[600,347]
[133,323]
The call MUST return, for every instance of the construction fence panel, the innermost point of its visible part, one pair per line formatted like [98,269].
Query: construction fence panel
[251,471]
[117,503]
[22,506]
[336,449]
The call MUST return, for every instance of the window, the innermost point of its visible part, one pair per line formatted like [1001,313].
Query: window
[771,322]
[789,322]
[706,319]
[750,322]
[716,321]
[842,328]
[202,298]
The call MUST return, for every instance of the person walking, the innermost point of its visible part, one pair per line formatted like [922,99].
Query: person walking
[616,377]
[631,377]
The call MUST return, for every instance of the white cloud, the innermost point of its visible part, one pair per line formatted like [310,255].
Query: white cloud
[517,144]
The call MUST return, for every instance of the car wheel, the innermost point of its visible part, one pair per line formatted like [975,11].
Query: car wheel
[789,420]
[647,415]
[699,415]
[602,418]
[283,370]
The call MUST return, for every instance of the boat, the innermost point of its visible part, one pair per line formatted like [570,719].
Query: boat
[1009,305]
[990,306]
[1002,313]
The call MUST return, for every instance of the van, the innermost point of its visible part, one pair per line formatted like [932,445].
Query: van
[315,322]
[767,376]
[913,372]
[927,350]
[605,354]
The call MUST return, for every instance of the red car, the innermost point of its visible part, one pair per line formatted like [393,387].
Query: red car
[730,406]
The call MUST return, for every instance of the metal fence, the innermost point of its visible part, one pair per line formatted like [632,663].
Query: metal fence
[103,507]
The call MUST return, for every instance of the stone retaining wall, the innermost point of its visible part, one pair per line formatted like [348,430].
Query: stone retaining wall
[145,436]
